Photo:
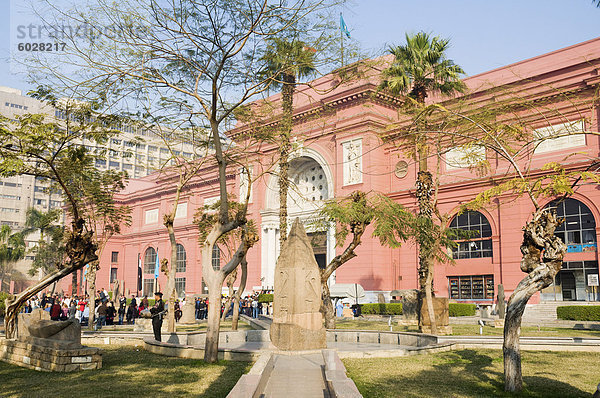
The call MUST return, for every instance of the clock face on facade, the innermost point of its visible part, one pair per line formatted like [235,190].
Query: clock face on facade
[401,169]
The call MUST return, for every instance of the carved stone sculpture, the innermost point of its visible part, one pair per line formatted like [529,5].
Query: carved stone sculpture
[55,334]
[297,321]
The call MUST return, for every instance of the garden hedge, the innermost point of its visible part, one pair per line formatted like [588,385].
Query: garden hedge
[579,312]
[382,309]
[461,309]
[265,298]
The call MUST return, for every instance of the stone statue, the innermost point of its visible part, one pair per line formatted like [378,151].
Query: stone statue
[297,321]
[353,163]
[501,305]
[116,290]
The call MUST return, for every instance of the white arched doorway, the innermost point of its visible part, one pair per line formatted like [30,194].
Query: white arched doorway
[311,183]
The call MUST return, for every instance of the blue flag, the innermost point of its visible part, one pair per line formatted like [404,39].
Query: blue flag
[344,27]
[157,266]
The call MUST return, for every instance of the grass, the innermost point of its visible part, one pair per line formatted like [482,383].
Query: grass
[470,330]
[475,373]
[127,371]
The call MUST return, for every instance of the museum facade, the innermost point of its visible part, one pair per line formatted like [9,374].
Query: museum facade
[342,143]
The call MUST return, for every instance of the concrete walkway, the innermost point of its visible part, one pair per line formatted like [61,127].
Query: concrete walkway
[297,376]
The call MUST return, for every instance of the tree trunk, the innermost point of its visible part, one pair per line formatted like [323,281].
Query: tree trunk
[213,324]
[236,304]
[424,190]
[229,281]
[542,259]
[327,306]
[91,277]
[171,292]
[74,285]
[287,98]
[80,249]
[429,301]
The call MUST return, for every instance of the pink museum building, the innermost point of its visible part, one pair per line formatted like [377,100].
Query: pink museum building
[338,148]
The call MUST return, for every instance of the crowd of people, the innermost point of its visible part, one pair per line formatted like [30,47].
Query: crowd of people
[125,311]
[63,307]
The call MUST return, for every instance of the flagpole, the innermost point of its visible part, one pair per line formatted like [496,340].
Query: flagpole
[342,39]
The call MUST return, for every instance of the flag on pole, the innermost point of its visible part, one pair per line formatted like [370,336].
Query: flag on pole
[344,27]
[139,278]
[157,266]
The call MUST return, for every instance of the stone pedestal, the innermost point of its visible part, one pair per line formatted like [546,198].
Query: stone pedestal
[297,321]
[410,306]
[49,359]
[188,310]
[442,318]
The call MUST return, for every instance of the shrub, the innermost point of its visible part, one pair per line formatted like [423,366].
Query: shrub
[579,312]
[382,309]
[3,297]
[461,309]
[265,298]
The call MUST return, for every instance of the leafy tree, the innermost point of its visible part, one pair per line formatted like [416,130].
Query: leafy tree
[505,128]
[392,224]
[419,68]
[286,62]
[12,249]
[53,150]
[96,190]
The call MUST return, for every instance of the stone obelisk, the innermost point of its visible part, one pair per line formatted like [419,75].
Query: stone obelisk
[297,321]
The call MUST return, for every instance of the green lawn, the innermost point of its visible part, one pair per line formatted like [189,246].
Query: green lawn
[127,371]
[475,373]
[470,330]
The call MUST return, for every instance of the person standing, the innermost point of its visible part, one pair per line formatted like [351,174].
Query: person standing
[102,311]
[157,312]
[122,309]
[254,307]
[197,308]
[55,311]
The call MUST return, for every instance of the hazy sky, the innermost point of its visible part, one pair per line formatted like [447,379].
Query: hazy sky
[485,34]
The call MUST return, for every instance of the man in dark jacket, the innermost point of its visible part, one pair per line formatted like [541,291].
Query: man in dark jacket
[157,312]
[102,311]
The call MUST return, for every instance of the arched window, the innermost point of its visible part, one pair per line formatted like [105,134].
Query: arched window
[479,243]
[579,226]
[149,260]
[216,257]
[181,259]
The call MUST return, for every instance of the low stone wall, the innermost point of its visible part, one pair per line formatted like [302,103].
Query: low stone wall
[395,338]
[194,352]
[339,384]
[49,359]
[250,384]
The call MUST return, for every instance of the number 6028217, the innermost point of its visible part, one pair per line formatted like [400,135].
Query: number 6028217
[41,46]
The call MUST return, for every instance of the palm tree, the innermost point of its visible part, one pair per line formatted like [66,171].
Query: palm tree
[420,67]
[286,62]
[12,249]
[36,220]
[45,223]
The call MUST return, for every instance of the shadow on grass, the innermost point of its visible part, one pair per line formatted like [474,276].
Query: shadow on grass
[127,372]
[462,373]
